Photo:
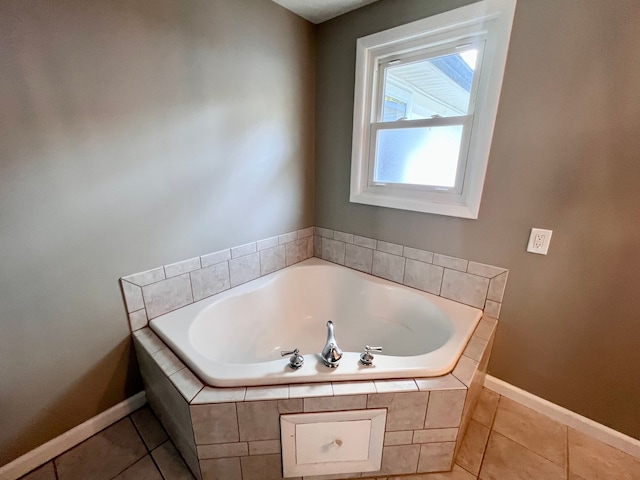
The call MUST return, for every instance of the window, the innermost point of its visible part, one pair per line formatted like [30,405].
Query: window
[426,98]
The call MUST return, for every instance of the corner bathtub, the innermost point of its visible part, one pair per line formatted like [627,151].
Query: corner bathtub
[235,337]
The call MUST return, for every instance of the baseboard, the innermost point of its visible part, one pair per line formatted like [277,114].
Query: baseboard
[601,432]
[41,455]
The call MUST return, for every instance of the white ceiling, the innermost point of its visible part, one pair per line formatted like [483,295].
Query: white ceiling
[318,11]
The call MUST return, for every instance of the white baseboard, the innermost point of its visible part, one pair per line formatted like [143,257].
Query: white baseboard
[598,431]
[62,443]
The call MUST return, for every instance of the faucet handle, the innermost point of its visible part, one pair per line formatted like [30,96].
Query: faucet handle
[296,361]
[366,358]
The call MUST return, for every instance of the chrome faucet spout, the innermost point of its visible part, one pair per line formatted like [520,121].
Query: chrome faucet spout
[331,353]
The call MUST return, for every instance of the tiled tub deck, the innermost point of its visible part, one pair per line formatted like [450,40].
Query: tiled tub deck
[234,433]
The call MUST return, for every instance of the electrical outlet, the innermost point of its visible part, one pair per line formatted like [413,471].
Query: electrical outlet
[539,241]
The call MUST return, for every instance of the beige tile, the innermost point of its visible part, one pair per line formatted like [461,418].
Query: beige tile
[532,430]
[379,400]
[45,472]
[435,435]
[473,447]
[167,295]
[215,257]
[398,438]
[138,319]
[483,270]
[401,459]
[132,296]
[293,405]
[149,427]
[436,457]
[343,237]
[486,407]
[185,266]
[353,388]
[415,254]
[330,404]
[267,243]
[287,237]
[317,246]
[143,468]
[445,382]
[220,395]
[497,287]
[145,278]
[304,390]
[333,251]
[476,347]
[221,469]
[258,420]
[244,269]
[392,248]
[217,423]
[305,232]
[264,447]
[358,258]
[465,370]
[261,467]
[453,263]
[170,462]
[445,408]
[389,386]
[464,288]
[388,266]
[407,411]
[167,361]
[210,280]
[104,455]
[275,392]
[486,327]
[324,232]
[299,250]
[365,242]
[492,308]
[223,450]
[505,459]
[187,383]
[242,250]
[148,340]
[272,259]
[594,460]
[457,473]
[423,276]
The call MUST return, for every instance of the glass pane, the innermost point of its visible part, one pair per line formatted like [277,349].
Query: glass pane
[431,88]
[420,156]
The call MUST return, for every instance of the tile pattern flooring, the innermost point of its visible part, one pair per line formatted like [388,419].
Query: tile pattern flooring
[505,441]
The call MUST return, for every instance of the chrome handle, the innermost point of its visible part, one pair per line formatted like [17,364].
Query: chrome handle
[366,358]
[296,361]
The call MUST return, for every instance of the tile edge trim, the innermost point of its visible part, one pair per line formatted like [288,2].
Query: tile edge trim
[565,416]
[69,439]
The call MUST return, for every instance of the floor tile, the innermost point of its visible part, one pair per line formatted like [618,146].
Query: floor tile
[531,429]
[486,407]
[473,447]
[593,460]
[142,469]
[104,455]
[149,427]
[170,462]
[45,472]
[506,459]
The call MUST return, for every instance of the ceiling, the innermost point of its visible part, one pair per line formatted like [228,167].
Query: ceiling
[318,11]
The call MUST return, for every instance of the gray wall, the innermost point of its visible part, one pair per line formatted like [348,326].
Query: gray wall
[133,133]
[564,157]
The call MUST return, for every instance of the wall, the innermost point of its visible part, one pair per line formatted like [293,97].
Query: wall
[132,134]
[565,157]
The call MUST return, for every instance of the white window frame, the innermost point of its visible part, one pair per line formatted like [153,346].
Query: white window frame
[489,21]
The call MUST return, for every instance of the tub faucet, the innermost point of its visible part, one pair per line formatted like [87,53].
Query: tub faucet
[331,353]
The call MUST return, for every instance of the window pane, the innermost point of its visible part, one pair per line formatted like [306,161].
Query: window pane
[419,156]
[435,87]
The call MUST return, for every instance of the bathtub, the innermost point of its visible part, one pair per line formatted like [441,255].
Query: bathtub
[235,337]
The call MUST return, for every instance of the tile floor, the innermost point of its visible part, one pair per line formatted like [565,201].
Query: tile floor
[505,441]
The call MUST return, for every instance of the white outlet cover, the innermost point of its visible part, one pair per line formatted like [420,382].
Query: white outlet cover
[539,241]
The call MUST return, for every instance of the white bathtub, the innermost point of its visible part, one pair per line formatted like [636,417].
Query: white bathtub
[235,338]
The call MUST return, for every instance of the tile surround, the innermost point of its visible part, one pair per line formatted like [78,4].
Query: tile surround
[223,428]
